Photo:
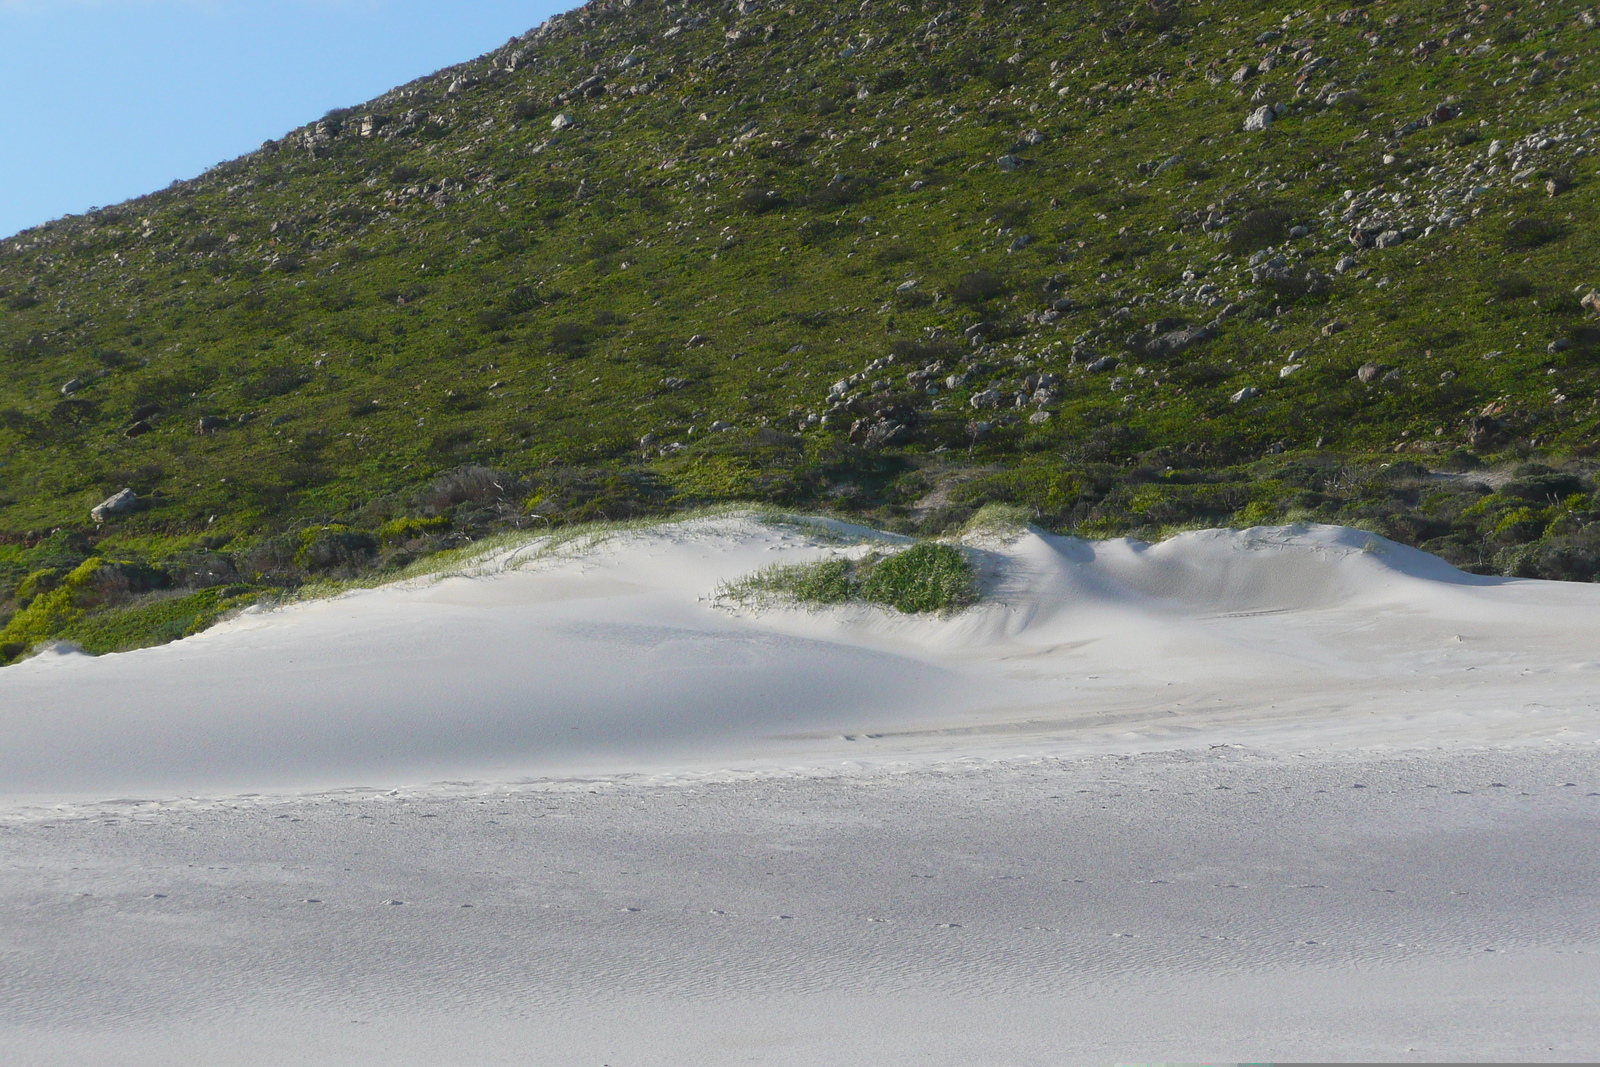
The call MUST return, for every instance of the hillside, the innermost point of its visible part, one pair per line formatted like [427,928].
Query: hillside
[1133,267]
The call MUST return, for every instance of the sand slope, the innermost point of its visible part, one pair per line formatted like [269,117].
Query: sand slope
[615,656]
[1267,794]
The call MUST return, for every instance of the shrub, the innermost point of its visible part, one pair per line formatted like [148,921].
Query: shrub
[977,287]
[1260,228]
[325,548]
[926,577]
[409,529]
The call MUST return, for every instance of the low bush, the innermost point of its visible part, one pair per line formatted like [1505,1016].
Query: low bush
[924,578]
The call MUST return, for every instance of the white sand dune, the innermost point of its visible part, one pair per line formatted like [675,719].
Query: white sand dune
[1292,793]
[615,657]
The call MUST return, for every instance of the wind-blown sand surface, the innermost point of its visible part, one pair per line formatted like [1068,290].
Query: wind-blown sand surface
[1286,793]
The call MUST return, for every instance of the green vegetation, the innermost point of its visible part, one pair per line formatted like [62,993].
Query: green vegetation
[927,577]
[895,261]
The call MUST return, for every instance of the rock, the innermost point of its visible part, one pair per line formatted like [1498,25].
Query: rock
[697,340]
[119,503]
[906,287]
[1346,263]
[1260,118]
[1334,327]
[1560,344]
[138,429]
[720,427]
[1273,270]
[1244,74]
[1249,392]
[211,424]
[979,329]
[1022,241]
[989,398]
[1557,186]
[674,383]
[1008,163]
[1170,344]
[1039,417]
[71,387]
[1033,138]
[1297,232]
[649,440]
[1591,301]
[1118,384]
[563,121]
[1368,372]
[1290,369]
[1388,239]
[1103,364]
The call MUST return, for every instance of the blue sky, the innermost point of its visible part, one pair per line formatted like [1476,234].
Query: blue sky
[102,100]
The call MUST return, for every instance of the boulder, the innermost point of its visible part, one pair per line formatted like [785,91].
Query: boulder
[988,398]
[72,387]
[1260,118]
[210,424]
[1175,341]
[119,503]
[1249,392]
[1103,364]
[1368,373]
[563,121]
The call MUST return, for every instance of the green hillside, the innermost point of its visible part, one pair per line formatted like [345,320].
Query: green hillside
[894,260]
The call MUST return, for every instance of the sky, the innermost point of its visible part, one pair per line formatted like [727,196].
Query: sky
[103,100]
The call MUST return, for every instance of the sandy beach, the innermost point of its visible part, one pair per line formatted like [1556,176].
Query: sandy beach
[1293,793]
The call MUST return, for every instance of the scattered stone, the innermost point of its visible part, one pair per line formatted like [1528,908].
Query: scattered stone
[720,427]
[72,387]
[211,424]
[988,398]
[1249,392]
[1346,263]
[119,503]
[1008,163]
[649,440]
[563,121]
[1297,232]
[1335,327]
[1557,186]
[1260,119]
[1175,341]
[1103,364]
[1244,74]
[1039,417]
[1368,372]
[1591,301]
[697,340]
[906,286]
[1560,344]
[1289,369]
[1022,241]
